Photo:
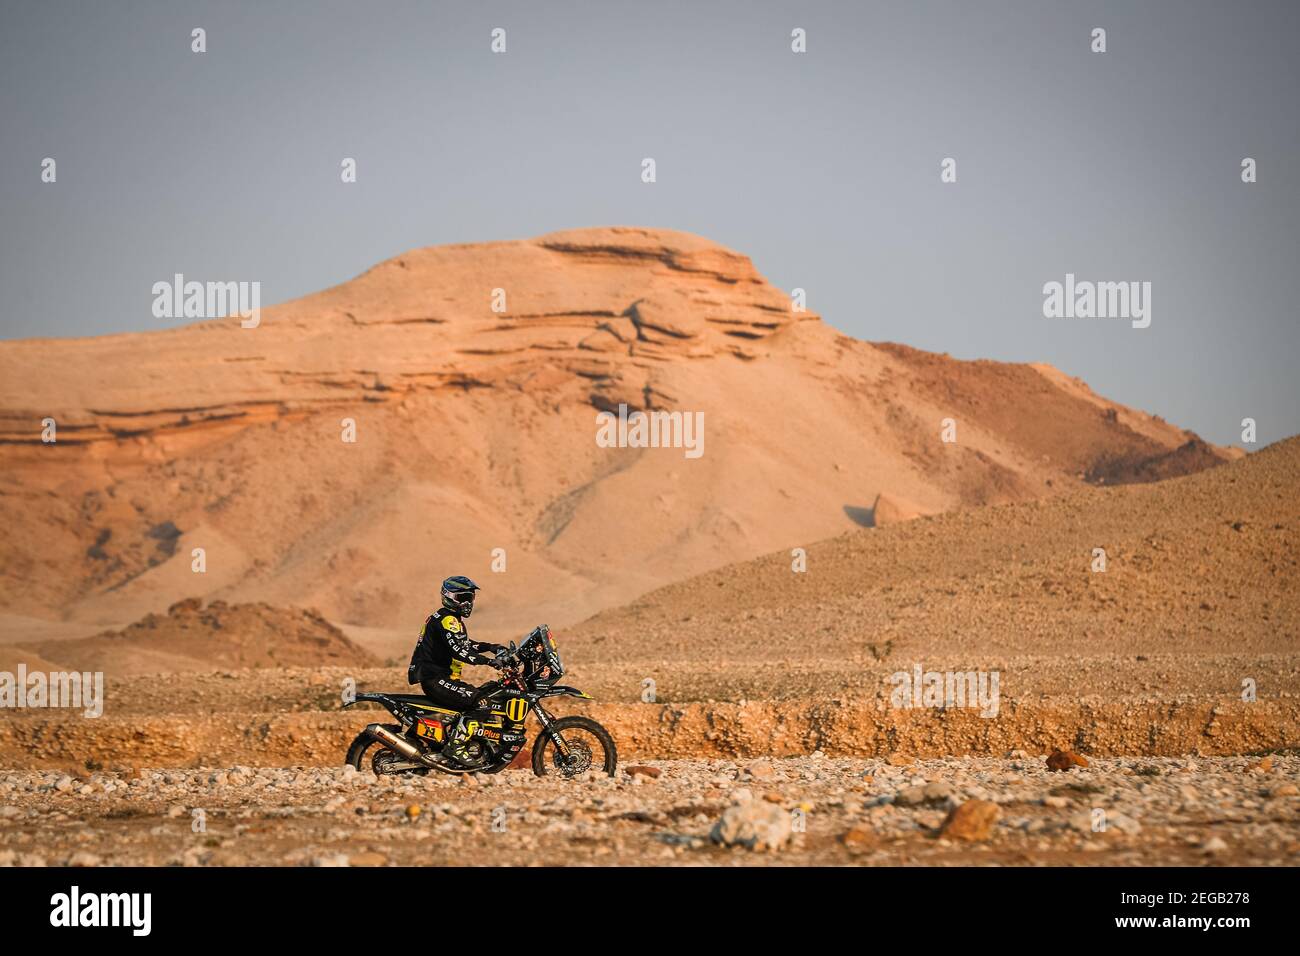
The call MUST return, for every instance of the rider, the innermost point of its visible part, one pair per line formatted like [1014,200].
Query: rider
[444,648]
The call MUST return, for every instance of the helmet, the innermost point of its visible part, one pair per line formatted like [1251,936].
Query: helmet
[458,594]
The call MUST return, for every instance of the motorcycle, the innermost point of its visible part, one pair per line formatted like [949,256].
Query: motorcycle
[494,732]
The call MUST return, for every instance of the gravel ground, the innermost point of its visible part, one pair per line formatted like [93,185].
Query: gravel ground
[814,809]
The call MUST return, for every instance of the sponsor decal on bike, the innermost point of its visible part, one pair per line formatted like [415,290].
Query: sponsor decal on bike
[517,709]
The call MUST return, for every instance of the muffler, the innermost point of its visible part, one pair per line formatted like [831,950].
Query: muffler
[399,745]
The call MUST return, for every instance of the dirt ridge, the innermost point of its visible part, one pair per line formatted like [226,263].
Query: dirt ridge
[851,727]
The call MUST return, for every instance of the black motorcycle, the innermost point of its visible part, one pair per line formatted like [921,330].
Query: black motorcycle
[492,734]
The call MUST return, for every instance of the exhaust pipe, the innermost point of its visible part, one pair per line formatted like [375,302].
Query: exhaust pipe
[398,745]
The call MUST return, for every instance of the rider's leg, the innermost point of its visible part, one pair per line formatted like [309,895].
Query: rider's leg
[447,692]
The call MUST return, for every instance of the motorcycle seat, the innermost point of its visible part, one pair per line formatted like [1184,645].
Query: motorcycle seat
[419,700]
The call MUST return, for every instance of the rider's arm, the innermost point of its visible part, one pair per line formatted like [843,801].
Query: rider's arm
[462,648]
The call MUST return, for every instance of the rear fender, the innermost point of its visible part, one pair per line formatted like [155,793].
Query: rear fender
[383,700]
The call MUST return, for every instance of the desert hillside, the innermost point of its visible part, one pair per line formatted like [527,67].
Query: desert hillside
[475,430]
[1198,593]
[191,637]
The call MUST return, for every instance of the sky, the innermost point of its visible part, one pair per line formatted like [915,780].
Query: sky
[822,166]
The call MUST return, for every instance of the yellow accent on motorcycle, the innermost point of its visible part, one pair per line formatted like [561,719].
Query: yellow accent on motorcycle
[429,728]
[517,709]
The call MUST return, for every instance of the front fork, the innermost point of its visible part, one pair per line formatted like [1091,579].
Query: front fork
[544,719]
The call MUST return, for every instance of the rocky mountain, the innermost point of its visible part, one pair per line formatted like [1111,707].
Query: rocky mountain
[438,414]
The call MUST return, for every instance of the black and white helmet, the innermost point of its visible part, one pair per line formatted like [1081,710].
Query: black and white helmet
[458,594]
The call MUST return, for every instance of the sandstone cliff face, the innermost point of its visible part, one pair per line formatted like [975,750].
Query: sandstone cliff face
[475,431]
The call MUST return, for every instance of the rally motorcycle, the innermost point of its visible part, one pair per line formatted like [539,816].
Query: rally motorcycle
[493,733]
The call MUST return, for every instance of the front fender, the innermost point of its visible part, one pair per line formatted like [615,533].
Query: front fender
[560,690]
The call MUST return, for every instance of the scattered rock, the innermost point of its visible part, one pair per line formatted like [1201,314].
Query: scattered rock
[652,773]
[971,821]
[1213,846]
[936,792]
[197,856]
[754,825]
[1123,823]
[928,793]
[1064,760]
[859,839]
[910,797]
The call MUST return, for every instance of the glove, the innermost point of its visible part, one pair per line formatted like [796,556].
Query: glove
[499,662]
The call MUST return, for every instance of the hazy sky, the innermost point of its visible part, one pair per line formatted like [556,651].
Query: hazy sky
[823,166]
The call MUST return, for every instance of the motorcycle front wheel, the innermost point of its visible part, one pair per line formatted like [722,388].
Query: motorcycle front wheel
[591,749]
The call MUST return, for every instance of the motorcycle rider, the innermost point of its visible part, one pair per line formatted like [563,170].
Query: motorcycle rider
[444,648]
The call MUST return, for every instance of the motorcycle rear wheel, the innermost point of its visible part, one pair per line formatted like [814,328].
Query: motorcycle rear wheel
[364,745]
